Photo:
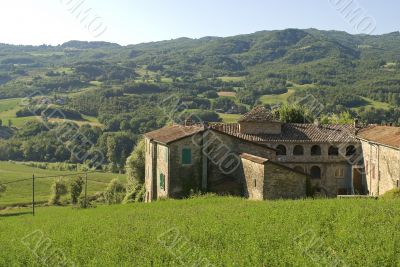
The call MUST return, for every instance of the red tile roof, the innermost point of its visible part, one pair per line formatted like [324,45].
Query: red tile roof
[173,133]
[294,132]
[386,135]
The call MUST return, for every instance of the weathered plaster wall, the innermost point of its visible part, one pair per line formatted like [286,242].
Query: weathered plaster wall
[254,179]
[382,167]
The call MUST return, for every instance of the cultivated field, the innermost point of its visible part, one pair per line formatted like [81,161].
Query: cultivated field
[208,231]
[21,192]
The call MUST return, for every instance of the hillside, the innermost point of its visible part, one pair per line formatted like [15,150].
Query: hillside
[116,93]
[207,231]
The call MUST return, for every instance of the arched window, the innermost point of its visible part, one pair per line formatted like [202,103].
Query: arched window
[298,150]
[316,172]
[333,151]
[281,150]
[350,151]
[299,169]
[316,150]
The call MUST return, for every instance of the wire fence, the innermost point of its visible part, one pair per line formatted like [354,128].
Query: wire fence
[34,179]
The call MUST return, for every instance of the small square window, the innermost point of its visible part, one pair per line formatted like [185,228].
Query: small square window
[186,156]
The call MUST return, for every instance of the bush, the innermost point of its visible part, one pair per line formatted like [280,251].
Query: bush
[115,192]
[392,194]
[58,189]
[76,188]
[3,189]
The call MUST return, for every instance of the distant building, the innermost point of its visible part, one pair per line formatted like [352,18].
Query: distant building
[381,150]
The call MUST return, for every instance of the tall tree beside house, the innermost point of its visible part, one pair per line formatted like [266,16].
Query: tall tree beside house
[135,171]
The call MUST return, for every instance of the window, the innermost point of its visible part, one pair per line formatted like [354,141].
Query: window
[333,151]
[350,151]
[186,156]
[339,173]
[298,150]
[162,181]
[255,183]
[316,172]
[281,150]
[316,151]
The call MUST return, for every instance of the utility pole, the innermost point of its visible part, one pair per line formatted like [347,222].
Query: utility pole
[86,190]
[33,194]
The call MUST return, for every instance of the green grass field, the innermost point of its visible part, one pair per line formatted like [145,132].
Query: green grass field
[208,232]
[229,118]
[22,192]
[8,108]
[375,104]
[276,99]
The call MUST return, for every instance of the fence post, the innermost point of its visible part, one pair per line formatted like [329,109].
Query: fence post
[86,190]
[33,194]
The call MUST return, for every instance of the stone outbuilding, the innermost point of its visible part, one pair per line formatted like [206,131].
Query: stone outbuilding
[381,150]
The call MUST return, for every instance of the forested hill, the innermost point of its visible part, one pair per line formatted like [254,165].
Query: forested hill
[115,93]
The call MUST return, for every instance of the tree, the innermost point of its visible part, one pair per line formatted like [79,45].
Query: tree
[294,114]
[114,192]
[58,189]
[76,188]
[135,171]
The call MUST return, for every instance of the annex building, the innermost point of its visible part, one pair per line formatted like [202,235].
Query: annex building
[259,158]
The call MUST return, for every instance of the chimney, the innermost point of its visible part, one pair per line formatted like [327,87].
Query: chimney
[356,123]
[188,121]
[316,122]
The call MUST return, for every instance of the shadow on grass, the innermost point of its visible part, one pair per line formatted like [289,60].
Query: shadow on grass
[14,214]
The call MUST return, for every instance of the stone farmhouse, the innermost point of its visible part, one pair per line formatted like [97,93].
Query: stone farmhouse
[381,151]
[259,158]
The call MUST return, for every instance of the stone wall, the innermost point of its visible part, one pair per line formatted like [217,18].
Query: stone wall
[254,179]
[185,178]
[225,172]
[162,159]
[150,171]
[330,166]
[382,167]
[281,182]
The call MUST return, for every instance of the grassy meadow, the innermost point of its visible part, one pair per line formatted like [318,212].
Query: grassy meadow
[21,192]
[208,231]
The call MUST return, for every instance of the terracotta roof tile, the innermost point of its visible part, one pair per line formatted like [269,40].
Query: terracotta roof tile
[254,158]
[386,135]
[173,133]
[258,114]
[294,132]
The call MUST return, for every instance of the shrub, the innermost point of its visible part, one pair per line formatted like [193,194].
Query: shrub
[115,192]
[392,194]
[58,189]
[76,188]
[3,189]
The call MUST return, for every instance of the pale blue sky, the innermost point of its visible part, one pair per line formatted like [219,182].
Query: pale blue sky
[135,21]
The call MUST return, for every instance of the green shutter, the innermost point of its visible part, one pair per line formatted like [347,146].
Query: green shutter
[162,181]
[186,156]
